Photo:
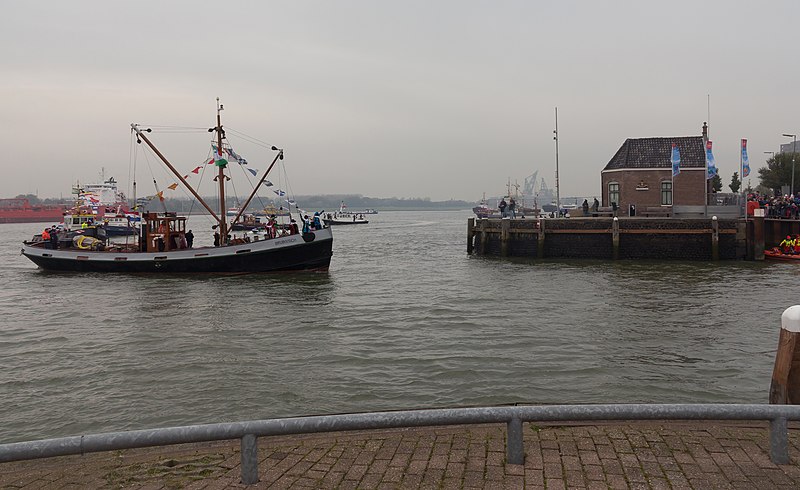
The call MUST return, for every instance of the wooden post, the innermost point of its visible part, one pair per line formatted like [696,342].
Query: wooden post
[505,234]
[714,238]
[615,237]
[540,245]
[484,235]
[470,234]
[758,234]
[785,387]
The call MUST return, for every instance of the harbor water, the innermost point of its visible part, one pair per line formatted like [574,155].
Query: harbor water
[404,319]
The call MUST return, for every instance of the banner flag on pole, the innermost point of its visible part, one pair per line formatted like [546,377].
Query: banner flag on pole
[745,162]
[676,160]
[710,166]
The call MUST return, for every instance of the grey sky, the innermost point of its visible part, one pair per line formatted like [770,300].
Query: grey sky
[443,99]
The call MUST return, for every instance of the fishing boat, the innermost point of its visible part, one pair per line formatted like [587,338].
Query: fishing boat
[344,217]
[165,244]
[482,210]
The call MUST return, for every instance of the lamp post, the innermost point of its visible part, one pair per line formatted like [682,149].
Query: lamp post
[558,191]
[794,150]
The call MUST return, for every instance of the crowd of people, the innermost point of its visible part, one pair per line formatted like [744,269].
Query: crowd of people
[781,206]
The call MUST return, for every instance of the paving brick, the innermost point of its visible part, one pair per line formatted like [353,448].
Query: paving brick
[616,455]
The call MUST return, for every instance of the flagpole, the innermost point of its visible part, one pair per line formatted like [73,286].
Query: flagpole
[741,172]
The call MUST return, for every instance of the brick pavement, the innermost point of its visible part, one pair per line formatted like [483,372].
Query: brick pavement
[651,455]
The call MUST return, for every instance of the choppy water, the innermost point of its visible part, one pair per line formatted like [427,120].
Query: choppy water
[404,319]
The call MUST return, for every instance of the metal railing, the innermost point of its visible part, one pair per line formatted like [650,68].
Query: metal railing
[513,416]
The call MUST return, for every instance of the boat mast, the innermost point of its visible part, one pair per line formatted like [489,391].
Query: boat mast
[140,135]
[222,220]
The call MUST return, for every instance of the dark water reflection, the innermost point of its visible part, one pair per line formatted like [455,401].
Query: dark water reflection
[403,319]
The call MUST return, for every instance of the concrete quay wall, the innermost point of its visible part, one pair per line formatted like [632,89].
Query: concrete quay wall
[613,238]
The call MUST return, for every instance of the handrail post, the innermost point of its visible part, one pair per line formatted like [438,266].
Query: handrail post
[249,459]
[515,454]
[779,440]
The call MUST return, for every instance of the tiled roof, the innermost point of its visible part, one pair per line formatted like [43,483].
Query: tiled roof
[656,152]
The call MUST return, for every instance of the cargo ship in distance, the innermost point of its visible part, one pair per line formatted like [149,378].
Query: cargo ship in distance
[20,210]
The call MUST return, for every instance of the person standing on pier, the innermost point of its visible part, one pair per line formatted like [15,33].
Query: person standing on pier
[512,208]
[502,207]
[585,207]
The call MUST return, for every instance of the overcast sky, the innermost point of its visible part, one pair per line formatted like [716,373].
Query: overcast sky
[444,99]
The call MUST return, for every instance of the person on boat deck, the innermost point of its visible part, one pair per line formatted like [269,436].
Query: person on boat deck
[502,207]
[189,238]
[216,239]
[46,238]
[306,224]
[317,221]
[293,228]
[787,245]
[84,225]
[54,238]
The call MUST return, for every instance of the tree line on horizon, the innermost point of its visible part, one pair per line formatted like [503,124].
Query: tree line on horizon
[354,202]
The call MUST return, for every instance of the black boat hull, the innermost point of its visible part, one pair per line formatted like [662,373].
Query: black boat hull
[312,251]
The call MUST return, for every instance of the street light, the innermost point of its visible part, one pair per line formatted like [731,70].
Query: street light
[794,150]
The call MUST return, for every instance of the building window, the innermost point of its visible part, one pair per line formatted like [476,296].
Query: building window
[613,193]
[666,193]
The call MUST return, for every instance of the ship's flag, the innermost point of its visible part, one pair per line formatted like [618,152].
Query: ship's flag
[291,202]
[160,195]
[196,170]
[710,165]
[268,183]
[235,156]
[745,161]
[219,161]
[253,171]
[210,162]
[173,186]
[279,192]
[676,160]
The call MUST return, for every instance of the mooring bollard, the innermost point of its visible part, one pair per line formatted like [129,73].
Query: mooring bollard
[249,447]
[785,386]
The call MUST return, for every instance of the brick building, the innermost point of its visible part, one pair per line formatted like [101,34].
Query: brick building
[640,174]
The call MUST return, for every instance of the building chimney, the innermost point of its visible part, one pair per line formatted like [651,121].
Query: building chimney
[705,131]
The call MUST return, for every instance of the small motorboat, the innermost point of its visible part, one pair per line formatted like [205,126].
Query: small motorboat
[777,254]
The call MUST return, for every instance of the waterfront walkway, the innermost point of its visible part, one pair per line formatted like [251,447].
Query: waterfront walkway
[677,455]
